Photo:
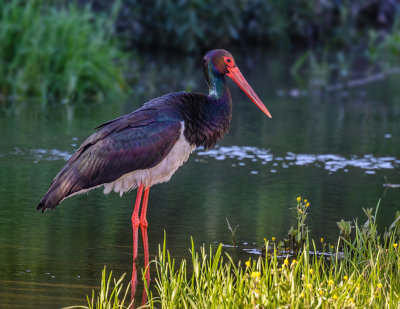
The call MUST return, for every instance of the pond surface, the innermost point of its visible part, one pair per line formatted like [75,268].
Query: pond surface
[335,150]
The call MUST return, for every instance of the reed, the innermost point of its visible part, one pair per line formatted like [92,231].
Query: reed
[109,297]
[360,273]
[59,53]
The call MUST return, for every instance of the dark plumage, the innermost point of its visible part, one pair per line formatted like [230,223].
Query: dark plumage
[143,138]
[147,146]
[205,120]
[139,140]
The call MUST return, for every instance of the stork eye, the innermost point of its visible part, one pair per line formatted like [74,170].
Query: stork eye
[229,61]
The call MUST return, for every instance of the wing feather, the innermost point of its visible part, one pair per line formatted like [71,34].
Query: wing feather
[138,140]
[105,160]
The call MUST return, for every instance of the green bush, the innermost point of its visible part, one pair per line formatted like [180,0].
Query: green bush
[190,25]
[57,53]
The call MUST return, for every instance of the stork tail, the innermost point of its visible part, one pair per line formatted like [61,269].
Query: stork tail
[61,188]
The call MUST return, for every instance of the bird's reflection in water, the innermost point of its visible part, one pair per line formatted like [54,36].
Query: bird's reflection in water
[142,222]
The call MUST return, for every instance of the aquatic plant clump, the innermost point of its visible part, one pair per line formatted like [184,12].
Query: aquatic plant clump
[360,273]
[364,272]
[111,295]
[57,53]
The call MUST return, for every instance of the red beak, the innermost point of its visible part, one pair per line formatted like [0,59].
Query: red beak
[235,74]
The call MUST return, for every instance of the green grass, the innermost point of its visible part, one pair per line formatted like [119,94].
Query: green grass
[360,273]
[58,53]
[109,297]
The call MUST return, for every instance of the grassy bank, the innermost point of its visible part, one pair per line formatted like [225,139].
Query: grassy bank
[362,271]
[57,53]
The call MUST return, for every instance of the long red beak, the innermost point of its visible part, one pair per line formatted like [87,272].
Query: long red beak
[235,74]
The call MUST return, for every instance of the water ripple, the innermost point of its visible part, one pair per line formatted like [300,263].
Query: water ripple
[329,162]
[41,154]
[247,154]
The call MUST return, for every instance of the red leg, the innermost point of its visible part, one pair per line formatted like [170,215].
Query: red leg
[143,227]
[135,226]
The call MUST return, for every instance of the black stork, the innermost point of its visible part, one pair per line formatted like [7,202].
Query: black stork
[146,147]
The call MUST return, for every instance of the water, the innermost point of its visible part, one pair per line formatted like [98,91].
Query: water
[334,149]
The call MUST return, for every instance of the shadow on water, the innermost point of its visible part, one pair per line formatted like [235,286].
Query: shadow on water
[335,150]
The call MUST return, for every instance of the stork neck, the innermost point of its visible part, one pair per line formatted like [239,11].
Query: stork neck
[218,88]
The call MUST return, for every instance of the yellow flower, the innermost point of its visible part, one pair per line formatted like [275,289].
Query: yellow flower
[294,262]
[298,199]
[395,245]
[379,285]
[322,239]
[308,205]
[321,292]
[273,238]
[302,295]
[334,296]
[345,278]
[305,201]
[309,285]
[351,300]
[311,271]
[280,269]
[286,262]
[255,274]
[248,264]
[330,282]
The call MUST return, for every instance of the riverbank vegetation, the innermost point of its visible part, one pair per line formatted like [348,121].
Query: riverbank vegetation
[361,269]
[68,51]
[189,25]
[57,53]
[341,69]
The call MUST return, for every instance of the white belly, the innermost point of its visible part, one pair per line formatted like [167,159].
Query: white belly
[157,174]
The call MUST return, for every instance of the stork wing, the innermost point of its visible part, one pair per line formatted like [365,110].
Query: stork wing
[121,146]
